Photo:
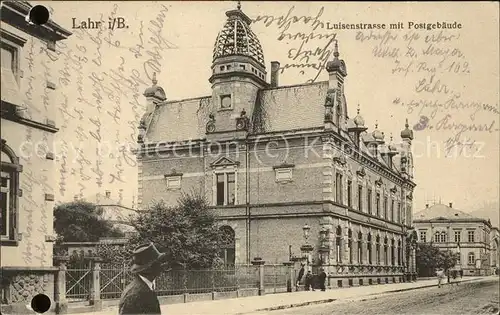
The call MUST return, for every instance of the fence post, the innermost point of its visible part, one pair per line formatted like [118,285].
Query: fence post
[290,280]
[95,293]
[260,263]
[61,304]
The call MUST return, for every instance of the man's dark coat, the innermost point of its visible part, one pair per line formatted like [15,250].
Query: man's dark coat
[138,298]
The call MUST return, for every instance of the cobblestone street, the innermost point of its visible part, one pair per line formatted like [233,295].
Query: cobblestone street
[466,298]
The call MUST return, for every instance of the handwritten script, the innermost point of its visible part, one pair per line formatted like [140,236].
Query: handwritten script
[309,49]
[439,70]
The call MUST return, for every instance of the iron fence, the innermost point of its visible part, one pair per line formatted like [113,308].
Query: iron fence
[78,284]
[275,276]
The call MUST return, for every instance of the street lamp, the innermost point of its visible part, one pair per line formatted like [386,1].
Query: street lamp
[306,249]
[306,228]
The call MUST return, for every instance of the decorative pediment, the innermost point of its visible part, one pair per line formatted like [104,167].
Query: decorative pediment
[410,195]
[172,173]
[394,189]
[440,218]
[361,172]
[224,161]
[379,181]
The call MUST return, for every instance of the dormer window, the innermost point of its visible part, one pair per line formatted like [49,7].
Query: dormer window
[225,101]
[228,67]
[242,67]
[221,68]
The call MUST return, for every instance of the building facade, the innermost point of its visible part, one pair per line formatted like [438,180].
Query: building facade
[495,249]
[273,159]
[451,229]
[28,170]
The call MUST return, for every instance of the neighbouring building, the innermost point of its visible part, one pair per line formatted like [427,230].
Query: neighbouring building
[29,94]
[495,250]
[451,229]
[274,159]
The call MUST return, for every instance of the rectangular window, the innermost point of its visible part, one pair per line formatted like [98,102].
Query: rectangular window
[338,183]
[423,236]
[399,212]
[242,67]
[5,204]
[7,58]
[470,236]
[458,235]
[392,210]
[472,259]
[220,189]
[349,194]
[230,188]
[377,204]
[226,189]
[369,197]
[360,197]
[385,207]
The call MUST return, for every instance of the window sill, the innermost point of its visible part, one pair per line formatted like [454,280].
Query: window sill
[225,109]
[5,242]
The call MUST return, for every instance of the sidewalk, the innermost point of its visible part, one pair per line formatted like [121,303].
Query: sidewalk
[283,300]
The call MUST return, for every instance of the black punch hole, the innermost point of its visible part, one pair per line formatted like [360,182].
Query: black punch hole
[39,15]
[40,303]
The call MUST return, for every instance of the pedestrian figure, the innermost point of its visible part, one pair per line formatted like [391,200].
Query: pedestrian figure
[309,281]
[448,275]
[440,275]
[299,277]
[461,273]
[454,275]
[322,279]
[139,297]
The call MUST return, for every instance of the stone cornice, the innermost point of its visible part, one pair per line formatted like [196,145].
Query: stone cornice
[361,157]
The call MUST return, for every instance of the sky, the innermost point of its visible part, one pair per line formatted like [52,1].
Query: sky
[444,81]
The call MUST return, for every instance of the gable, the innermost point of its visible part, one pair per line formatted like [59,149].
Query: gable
[224,161]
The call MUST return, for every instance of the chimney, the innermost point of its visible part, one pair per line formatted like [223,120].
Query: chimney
[451,205]
[108,193]
[275,68]
[427,205]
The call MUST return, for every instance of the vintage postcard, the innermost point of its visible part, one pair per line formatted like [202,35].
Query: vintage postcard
[232,157]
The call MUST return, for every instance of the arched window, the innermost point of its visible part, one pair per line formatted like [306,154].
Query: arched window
[369,246]
[9,193]
[338,244]
[349,245]
[471,258]
[393,258]
[360,248]
[400,258]
[377,249]
[386,251]
[228,247]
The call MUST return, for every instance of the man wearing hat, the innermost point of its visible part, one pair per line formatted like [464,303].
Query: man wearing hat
[139,297]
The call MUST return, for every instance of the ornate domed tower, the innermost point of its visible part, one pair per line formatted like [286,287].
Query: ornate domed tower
[238,72]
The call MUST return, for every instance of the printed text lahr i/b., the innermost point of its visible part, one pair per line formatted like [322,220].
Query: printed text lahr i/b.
[113,23]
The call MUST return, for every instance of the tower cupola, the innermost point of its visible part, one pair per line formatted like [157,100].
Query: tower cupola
[238,74]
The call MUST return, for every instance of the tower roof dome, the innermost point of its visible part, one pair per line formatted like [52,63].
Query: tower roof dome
[359,120]
[407,133]
[236,38]
[377,134]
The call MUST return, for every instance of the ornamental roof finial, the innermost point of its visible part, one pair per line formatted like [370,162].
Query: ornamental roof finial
[154,79]
[336,49]
[239,5]
[358,108]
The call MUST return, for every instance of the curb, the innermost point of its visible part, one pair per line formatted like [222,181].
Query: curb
[287,306]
